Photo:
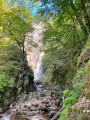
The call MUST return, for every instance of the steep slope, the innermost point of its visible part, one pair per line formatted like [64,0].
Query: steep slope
[77,100]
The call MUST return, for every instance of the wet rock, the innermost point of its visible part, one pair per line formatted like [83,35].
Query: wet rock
[37,105]
[41,107]
[0,116]
[25,106]
[33,108]
[22,117]
[13,104]
[32,113]
[38,118]
[53,108]
[1,111]
[52,113]
[45,101]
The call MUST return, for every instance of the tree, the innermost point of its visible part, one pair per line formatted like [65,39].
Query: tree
[67,7]
[15,22]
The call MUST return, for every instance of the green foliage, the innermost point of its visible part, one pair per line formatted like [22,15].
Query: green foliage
[73,94]
[4,82]
[87,94]
[67,30]
[15,22]
[77,85]
[81,71]
[66,92]
[64,113]
[69,101]
[72,97]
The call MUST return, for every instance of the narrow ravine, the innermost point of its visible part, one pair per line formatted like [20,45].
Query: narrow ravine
[41,104]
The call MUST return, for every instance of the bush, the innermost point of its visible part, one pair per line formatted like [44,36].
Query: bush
[4,82]
[69,101]
[66,92]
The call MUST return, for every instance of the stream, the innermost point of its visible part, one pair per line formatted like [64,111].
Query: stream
[5,117]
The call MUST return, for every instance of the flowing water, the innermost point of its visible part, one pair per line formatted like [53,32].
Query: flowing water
[5,117]
[39,69]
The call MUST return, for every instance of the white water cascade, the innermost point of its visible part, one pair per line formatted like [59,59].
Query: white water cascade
[5,117]
[39,69]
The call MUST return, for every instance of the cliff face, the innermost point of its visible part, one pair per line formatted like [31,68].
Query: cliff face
[33,44]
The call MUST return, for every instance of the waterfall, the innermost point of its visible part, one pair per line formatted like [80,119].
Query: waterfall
[37,74]
[39,69]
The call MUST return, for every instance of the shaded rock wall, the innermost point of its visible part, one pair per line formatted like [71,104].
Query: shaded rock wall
[33,44]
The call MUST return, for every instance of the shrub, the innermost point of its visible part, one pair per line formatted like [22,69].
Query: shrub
[4,82]
[66,92]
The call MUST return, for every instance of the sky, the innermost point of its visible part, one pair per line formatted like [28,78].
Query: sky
[35,9]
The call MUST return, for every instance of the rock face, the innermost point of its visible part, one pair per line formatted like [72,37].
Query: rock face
[33,45]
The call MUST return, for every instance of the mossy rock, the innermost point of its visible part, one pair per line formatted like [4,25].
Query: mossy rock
[87,94]
[87,69]
[77,114]
[86,117]
[85,55]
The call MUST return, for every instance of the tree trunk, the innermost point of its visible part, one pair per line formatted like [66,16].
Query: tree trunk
[75,31]
[88,6]
[79,21]
[86,17]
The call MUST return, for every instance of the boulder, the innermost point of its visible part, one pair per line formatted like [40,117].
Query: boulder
[52,114]
[37,117]
[53,108]
[33,108]
[1,111]
[22,117]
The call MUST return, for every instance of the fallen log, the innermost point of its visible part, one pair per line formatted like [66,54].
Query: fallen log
[57,115]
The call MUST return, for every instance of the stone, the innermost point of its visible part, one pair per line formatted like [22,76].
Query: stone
[53,108]
[22,117]
[1,111]
[32,113]
[41,106]
[38,118]
[52,113]
[36,103]
[33,108]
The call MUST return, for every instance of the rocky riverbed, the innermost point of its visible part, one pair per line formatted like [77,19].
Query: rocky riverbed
[42,104]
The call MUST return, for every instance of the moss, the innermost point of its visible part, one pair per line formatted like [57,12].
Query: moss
[87,69]
[85,55]
[87,94]
[85,118]
[87,80]
[77,114]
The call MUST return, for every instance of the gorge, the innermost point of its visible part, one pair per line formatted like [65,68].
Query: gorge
[44,60]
